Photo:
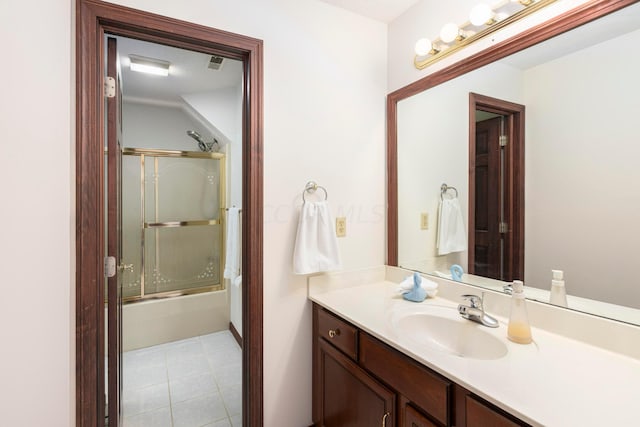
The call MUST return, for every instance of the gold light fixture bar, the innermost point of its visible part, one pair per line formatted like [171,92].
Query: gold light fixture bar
[441,49]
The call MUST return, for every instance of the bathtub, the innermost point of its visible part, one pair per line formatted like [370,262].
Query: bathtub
[159,321]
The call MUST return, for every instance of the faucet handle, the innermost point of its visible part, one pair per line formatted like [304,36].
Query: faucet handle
[474,300]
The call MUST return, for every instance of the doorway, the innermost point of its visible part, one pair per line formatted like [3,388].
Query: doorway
[95,20]
[496,188]
[179,133]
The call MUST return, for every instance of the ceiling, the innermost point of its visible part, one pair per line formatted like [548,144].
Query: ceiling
[380,10]
[188,73]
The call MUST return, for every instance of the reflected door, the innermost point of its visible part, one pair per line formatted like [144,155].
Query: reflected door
[496,188]
[488,189]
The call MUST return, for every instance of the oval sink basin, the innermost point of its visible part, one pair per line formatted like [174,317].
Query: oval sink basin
[444,330]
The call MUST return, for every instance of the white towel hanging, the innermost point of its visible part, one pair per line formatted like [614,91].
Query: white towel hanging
[232,247]
[452,236]
[316,247]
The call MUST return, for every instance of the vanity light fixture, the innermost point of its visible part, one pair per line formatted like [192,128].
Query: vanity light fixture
[450,32]
[483,20]
[149,65]
[482,14]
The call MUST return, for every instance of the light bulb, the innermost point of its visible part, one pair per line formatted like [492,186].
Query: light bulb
[481,14]
[449,32]
[423,47]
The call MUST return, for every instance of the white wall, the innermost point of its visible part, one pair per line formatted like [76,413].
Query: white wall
[427,17]
[582,171]
[37,308]
[325,86]
[157,126]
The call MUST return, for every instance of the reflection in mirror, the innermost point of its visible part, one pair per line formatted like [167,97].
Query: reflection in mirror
[580,184]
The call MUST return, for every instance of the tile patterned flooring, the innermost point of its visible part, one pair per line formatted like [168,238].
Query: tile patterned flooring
[195,382]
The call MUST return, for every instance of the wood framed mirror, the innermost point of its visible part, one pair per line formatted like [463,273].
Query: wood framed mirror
[592,21]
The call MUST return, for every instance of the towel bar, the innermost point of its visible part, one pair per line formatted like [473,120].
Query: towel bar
[311,187]
[444,188]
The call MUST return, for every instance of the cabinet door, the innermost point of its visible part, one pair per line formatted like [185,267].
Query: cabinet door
[413,418]
[348,396]
[481,415]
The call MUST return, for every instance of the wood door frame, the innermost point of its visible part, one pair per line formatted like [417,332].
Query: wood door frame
[514,180]
[93,19]
[567,21]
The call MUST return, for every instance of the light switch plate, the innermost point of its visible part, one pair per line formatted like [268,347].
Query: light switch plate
[341,226]
[424,221]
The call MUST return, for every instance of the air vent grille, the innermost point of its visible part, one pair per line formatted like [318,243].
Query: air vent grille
[215,63]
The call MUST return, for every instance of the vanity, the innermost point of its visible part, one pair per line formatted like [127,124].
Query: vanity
[372,368]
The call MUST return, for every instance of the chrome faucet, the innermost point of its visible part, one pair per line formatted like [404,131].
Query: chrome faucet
[508,288]
[475,311]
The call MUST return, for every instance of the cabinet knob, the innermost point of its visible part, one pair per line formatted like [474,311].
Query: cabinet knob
[384,419]
[334,332]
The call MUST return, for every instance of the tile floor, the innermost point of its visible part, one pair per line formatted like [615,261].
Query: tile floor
[195,382]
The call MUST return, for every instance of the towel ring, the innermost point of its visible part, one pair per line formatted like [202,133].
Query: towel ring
[444,188]
[311,187]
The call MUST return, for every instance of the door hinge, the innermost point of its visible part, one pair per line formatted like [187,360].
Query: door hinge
[503,140]
[109,266]
[503,227]
[109,87]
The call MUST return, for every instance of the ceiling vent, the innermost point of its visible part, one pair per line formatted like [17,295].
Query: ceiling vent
[215,63]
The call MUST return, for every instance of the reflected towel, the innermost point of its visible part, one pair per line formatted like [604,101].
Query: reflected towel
[232,247]
[452,236]
[316,247]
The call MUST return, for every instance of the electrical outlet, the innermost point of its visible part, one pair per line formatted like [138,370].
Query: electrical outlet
[341,226]
[424,221]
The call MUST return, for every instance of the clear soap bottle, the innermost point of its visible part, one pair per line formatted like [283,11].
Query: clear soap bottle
[519,330]
[558,294]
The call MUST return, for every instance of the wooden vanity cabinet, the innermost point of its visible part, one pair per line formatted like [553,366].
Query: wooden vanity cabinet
[359,381]
[344,394]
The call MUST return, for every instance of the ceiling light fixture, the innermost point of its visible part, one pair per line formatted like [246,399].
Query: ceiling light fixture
[149,65]
[483,20]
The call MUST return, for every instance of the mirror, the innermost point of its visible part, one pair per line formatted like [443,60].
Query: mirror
[581,197]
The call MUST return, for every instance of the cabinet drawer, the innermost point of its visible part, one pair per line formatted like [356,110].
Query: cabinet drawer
[339,333]
[424,388]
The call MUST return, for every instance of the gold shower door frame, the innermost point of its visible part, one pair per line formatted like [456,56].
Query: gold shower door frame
[144,153]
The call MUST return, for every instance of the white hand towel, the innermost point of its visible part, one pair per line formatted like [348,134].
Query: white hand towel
[452,236]
[429,286]
[316,247]
[232,247]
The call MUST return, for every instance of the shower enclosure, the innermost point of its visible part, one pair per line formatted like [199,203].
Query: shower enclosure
[173,206]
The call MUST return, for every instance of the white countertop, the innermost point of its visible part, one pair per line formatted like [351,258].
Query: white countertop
[555,381]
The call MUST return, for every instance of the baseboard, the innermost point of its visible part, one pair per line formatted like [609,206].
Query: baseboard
[235,334]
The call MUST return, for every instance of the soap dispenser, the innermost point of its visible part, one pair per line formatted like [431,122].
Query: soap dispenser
[558,295]
[519,330]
